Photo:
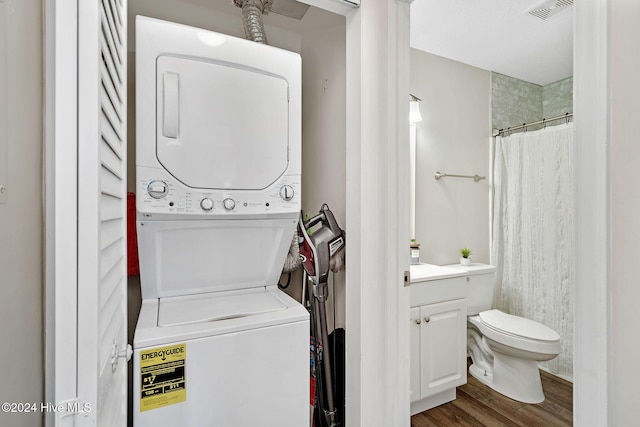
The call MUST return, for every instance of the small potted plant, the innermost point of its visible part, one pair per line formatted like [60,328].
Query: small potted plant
[465,256]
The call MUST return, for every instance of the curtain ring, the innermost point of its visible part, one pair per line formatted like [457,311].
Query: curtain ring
[524,125]
[566,117]
[544,123]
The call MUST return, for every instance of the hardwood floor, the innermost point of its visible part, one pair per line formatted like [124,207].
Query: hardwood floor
[479,405]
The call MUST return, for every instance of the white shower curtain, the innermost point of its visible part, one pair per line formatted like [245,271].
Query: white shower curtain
[533,232]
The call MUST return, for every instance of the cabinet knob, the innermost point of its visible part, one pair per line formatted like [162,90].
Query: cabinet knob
[427,319]
[418,321]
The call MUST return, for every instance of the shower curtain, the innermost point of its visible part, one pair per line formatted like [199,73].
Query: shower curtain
[533,232]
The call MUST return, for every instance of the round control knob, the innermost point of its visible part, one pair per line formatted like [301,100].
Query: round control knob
[229,204]
[157,189]
[286,192]
[206,204]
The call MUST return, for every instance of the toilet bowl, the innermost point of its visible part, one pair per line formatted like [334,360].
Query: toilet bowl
[505,349]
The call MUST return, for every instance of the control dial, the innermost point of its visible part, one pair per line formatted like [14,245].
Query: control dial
[229,204]
[286,192]
[157,189]
[206,204]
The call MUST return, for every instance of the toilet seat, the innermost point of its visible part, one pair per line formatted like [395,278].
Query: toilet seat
[518,333]
[518,326]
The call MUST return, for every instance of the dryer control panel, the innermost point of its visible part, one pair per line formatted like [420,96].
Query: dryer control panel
[159,193]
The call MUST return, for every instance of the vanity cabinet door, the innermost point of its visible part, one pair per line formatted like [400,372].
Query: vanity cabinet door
[414,331]
[442,346]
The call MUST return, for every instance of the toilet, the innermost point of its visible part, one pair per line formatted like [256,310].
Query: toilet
[505,349]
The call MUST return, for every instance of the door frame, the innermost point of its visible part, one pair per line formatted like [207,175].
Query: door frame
[61,206]
[377,192]
[592,364]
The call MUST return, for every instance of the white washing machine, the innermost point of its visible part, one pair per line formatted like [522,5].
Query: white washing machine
[218,164]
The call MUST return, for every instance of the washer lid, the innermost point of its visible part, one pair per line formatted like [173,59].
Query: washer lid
[174,311]
[197,257]
[518,326]
[182,312]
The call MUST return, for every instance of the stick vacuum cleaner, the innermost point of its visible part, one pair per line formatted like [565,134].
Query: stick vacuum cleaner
[322,244]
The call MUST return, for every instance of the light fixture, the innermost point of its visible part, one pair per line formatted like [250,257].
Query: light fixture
[210,38]
[414,109]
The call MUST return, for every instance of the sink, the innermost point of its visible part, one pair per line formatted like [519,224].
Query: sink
[424,272]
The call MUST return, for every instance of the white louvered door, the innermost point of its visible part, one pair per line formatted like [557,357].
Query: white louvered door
[102,274]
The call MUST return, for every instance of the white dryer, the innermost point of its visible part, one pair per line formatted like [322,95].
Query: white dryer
[218,165]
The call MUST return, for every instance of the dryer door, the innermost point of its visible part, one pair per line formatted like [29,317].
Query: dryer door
[219,126]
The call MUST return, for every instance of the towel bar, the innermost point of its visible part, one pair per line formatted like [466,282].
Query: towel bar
[439,175]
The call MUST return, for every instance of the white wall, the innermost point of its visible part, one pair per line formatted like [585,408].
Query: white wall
[625,206]
[324,137]
[21,264]
[453,137]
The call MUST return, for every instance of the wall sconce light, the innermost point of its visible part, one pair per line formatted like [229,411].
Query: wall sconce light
[414,109]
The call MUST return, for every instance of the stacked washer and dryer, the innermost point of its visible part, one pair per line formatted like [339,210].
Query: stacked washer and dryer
[218,169]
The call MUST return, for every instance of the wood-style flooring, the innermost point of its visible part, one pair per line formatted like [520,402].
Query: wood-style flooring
[479,405]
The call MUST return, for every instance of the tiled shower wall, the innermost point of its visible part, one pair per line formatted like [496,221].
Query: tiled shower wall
[514,101]
[557,98]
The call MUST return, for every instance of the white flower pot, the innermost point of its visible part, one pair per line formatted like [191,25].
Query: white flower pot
[465,261]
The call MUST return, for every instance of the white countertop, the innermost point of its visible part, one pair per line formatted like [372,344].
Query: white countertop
[425,272]
[474,268]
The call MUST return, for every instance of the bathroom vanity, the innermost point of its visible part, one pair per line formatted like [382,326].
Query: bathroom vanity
[438,323]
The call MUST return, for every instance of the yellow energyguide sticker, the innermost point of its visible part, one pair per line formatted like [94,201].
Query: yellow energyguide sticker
[162,376]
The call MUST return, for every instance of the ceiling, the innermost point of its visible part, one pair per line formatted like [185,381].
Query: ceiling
[287,14]
[496,35]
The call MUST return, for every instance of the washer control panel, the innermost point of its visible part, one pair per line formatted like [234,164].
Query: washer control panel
[163,194]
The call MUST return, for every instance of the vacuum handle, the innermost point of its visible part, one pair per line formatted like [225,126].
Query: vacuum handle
[314,220]
[331,220]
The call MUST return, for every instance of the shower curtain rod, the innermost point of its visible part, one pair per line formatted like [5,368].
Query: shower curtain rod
[566,116]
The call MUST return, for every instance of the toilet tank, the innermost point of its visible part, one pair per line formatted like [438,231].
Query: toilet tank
[481,280]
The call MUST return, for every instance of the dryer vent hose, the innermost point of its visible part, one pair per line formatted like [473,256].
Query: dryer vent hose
[252,11]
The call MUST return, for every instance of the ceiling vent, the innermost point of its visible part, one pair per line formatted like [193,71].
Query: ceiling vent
[547,9]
